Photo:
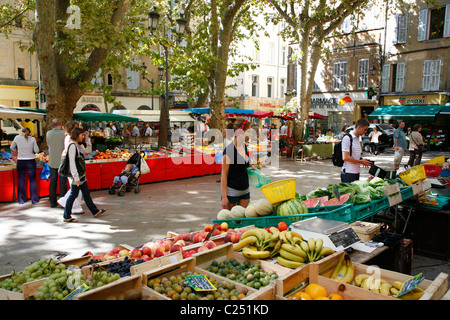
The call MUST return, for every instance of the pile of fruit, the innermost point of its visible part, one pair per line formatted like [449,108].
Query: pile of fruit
[176,287]
[345,272]
[292,250]
[314,291]
[249,274]
[37,270]
[59,285]
[41,157]
[111,154]
[257,208]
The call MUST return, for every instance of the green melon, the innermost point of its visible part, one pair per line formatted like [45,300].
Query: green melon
[291,207]
[224,214]
[237,212]
[250,211]
[264,207]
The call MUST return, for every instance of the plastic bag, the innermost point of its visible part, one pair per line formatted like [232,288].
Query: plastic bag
[257,178]
[45,173]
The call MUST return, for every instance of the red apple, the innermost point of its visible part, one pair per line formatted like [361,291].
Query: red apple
[145,257]
[187,237]
[115,250]
[176,247]
[159,241]
[181,243]
[235,237]
[209,244]
[207,228]
[168,244]
[136,253]
[147,250]
[178,237]
[216,232]
[203,248]
[158,253]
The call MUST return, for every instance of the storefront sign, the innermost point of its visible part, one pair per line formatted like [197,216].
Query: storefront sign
[89,99]
[412,101]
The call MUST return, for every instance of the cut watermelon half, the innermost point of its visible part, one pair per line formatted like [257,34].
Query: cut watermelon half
[323,200]
[334,202]
[312,203]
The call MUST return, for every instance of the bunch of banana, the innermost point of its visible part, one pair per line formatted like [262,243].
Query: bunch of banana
[295,251]
[344,270]
[369,282]
[258,243]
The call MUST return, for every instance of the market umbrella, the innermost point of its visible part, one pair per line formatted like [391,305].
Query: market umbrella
[16,114]
[93,116]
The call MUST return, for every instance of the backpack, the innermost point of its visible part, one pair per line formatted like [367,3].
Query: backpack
[337,152]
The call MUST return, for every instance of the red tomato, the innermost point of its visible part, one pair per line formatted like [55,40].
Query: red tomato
[282,226]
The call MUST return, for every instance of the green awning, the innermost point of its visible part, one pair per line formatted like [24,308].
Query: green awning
[409,112]
[445,110]
[93,116]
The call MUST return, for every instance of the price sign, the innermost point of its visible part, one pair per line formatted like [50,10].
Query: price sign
[410,284]
[78,290]
[336,193]
[200,283]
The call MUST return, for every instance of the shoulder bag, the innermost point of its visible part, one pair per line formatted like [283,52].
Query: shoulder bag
[64,167]
[421,146]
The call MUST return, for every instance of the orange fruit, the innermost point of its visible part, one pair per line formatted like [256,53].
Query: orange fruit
[315,290]
[335,296]
[321,298]
[300,296]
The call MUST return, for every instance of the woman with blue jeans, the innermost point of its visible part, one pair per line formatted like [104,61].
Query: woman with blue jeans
[26,146]
[78,180]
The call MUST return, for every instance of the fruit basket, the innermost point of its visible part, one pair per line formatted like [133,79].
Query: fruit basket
[279,191]
[432,170]
[438,160]
[413,174]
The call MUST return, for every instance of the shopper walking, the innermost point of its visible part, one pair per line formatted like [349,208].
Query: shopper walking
[400,144]
[235,187]
[55,142]
[26,146]
[78,173]
[374,140]
[76,207]
[352,155]
[416,146]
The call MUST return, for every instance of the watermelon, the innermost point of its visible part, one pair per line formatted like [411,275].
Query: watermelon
[290,207]
[334,202]
[323,200]
[311,203]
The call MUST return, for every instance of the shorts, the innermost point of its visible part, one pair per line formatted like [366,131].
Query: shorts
[237,199]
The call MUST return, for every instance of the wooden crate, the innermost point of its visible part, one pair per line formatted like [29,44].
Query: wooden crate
[189,264]
[393,194]
[434,289]
[114,290]
[156,263]
[366,230]
[29,288]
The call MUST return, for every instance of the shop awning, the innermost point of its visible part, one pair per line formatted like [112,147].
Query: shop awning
[181,118]
[445,110]
[234,111]
[262,114]
[312,115]
[92,116]
[16,114]
[409,112]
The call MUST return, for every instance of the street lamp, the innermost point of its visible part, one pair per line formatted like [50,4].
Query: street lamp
[152,82]
[153,21]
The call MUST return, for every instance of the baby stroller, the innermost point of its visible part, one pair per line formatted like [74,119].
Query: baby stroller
[128,179]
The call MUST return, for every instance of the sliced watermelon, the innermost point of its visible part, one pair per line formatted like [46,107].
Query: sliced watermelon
[323,200]
[334,202]
[312,203]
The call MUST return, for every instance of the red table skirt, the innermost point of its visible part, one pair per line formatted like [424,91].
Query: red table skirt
[101,175]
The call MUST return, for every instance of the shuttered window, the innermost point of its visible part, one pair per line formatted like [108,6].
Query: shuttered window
[132,79]
[385,78]
[422,27]
[400,77]
[401,28]
[431,75]
[340,75]
[363,73]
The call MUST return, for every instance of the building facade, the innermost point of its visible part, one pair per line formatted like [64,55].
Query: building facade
[264,88]
[416,66]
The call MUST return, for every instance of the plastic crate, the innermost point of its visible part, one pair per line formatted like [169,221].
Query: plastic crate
[406,192]
[342,213]
[438,160]
[413,174]
[445,173]
[432,170]
[364,211]
[279,191]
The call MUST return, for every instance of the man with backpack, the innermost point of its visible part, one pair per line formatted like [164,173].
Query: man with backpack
[351,153]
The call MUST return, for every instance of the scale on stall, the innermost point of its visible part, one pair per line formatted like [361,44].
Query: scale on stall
[337,235]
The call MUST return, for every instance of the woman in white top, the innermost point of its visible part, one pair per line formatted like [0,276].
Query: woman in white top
[374,140]
[26,147]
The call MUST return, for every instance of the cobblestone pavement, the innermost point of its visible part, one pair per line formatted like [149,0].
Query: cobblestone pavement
[31,232]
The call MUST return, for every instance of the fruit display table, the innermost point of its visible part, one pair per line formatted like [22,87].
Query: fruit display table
[324,150]
[100,173]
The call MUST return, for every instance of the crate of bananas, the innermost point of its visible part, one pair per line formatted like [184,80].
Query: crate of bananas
[288,247]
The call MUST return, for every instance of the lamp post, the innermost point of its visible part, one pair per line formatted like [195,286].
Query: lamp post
[153,21]
[152,82]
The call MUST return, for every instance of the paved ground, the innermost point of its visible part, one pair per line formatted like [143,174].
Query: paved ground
[28,233]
